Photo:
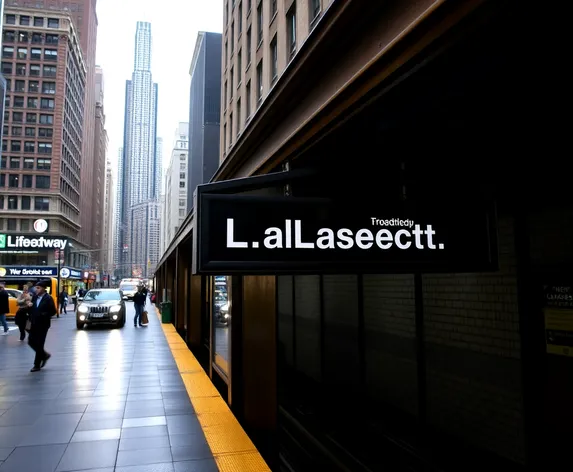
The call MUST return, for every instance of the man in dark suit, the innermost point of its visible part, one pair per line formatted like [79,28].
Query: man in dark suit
[41,312]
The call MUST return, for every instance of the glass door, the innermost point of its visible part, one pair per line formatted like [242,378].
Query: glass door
[221,324]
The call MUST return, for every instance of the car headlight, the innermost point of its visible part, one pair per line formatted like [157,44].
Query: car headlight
[115,308]
[83,309]
[82,317]
[114,317]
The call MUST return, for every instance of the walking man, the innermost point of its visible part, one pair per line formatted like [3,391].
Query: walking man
[41,312]
[4,308]
[139,301]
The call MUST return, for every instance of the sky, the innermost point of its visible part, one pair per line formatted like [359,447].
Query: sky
[174,28]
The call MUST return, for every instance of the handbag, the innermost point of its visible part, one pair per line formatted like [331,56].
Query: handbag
[144,318]
[28,325]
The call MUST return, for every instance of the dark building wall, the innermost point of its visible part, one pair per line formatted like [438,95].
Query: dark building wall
[204,114]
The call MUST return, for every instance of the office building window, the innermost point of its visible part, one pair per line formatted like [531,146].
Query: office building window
[8,36]
[13,181]
[17,117]
[42,181]
[291,30]
[224,138]
[12,224]
[27,181]
[248,100]
[44,164]
[45,132]
[26,203]
[53,23]
[50,54]
[23,53]
[274,60]
[16,130]
[7,52]
[259,81]
[31,117]
[10,19]
[239,68]
[249,46]
[52,39]
[32,102]
[238,116]
[260,23]
[24,20]
[49,88]
[6,68]
[313,10]
[24,225]
[28,163]
[29,146]
[21,69]
[240,17]
[41,204]
[231,128]
[49,71]
[45,148]
[15,146]
[37,38]
[14,163]
[33,86]
[232,37]
[232,81]
[38,21]
[273,8]
[12,202]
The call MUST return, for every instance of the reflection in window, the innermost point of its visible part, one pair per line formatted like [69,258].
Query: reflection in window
[222,322]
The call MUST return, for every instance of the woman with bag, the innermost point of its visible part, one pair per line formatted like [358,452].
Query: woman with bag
[21,319]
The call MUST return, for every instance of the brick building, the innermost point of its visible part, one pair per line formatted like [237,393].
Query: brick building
[43,122]
[84,17]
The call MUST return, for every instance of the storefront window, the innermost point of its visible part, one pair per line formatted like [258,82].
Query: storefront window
[222,322]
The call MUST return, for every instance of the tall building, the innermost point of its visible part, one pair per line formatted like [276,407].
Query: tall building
[107,259]
[204,111]
[140,169]
[175,199]
[118,205]
[2,80]
[43,125]
[83,14]
[97,173]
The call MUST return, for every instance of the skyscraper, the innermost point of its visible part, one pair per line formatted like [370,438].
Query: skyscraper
[204,111]
[140,169]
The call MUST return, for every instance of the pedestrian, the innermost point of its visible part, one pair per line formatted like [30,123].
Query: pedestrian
[4,307]
[139,301]
[41,312]
[31,289]
[24,303]
[63,301]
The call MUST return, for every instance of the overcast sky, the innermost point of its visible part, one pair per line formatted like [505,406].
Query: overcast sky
[174,28]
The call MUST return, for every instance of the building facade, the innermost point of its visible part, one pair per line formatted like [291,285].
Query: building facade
[84,17]
[107,254]
[140,168]
[43,125]
[175,197]
[98,176]
[371,359]
[204,111]
[118,205]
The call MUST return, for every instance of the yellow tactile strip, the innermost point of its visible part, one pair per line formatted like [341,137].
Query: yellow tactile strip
[231,447]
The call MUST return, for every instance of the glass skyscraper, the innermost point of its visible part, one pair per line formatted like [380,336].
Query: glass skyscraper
[139,218]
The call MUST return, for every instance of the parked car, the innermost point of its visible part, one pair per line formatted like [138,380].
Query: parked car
[100,307]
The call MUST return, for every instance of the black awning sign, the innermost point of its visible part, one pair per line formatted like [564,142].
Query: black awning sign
[270,235]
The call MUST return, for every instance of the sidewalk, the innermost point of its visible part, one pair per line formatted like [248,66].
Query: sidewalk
[108,400]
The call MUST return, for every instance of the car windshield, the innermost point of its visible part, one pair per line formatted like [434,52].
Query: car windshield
[102,295]
[128,287]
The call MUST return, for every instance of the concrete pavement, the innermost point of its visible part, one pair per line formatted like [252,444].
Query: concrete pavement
[109,400]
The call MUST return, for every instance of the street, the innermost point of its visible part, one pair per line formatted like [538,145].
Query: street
[108,399]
